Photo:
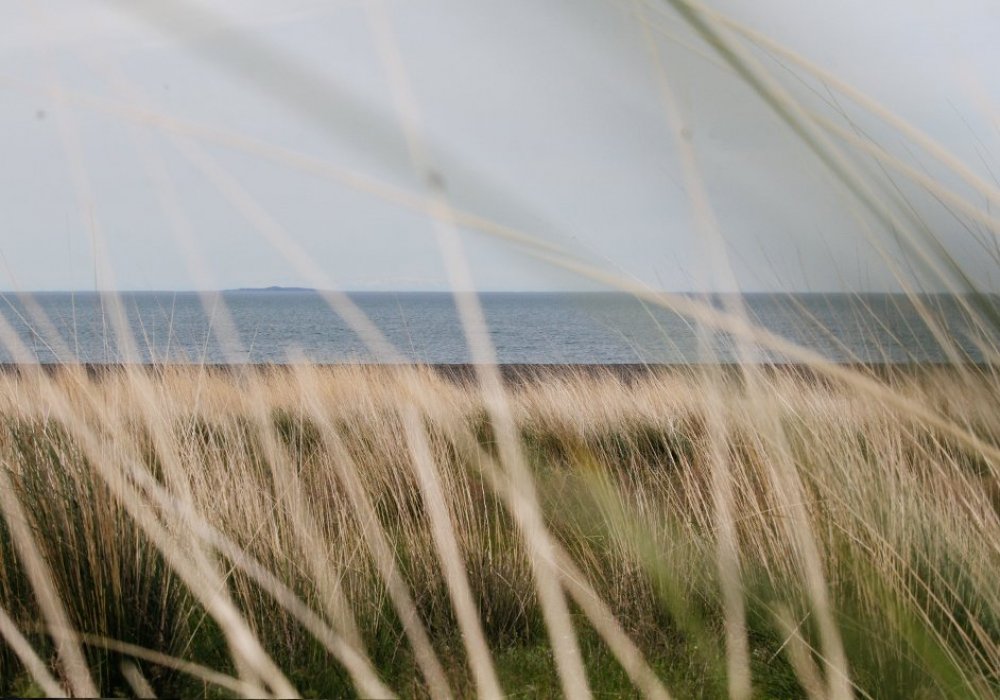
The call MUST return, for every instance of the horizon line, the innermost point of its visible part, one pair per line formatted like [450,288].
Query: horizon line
[294,289]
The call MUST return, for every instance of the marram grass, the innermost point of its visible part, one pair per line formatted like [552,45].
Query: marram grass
[836,503]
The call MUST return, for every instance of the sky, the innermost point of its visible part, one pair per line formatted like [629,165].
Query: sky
[155,144]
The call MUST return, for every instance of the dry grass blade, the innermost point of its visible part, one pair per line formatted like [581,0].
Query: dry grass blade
[555,611]
[375,537]
[243,641]
[140,686]
[801,657]
[604,621]
[921,243]
[450,557]
[738,653]
[364,676]
[35,666]
[812,528]
[573,578]
[67,646]
[233,685]
[988,189]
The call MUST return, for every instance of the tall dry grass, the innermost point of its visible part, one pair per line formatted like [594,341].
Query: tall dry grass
[904,520]
[827,531]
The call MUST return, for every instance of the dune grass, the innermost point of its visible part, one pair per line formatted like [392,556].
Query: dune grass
[706,532]
[903,521]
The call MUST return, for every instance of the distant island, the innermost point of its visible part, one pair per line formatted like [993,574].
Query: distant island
[272,289]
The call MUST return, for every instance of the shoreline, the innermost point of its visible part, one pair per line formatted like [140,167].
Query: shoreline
[513,373]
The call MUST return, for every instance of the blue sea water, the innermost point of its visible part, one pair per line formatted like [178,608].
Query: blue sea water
[596,328]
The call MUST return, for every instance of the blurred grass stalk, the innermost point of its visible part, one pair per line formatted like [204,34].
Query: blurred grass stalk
[832,534]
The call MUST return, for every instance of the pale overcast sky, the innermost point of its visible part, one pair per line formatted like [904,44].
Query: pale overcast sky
[544,116]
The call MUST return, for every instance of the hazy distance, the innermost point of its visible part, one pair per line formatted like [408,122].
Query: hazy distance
[146,144]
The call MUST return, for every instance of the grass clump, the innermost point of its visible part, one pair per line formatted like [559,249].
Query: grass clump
[904,523]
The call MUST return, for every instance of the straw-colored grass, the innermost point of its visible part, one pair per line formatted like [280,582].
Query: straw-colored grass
[706,532]
[320,500]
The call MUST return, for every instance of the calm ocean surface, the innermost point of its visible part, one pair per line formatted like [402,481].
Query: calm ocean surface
[274,326]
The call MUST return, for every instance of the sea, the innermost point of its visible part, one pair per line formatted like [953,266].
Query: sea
[281,326]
